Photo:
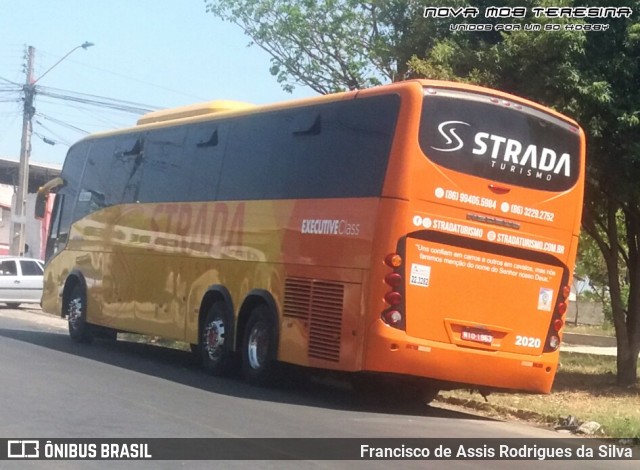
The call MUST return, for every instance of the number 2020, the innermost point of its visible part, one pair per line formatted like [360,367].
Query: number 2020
[528,341]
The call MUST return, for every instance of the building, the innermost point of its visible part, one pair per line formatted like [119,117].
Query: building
[39,173]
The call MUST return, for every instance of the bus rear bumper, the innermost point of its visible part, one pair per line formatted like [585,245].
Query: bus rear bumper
[390,350]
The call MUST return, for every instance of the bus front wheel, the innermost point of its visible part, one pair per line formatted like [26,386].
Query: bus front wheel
[76,311]
[214,341]
[259,348]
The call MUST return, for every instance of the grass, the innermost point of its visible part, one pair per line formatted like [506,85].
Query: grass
[584,388]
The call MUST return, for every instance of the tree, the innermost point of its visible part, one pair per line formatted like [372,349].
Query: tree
[591,268]
[333,45]
[612,206]
[308,41]
[592,76]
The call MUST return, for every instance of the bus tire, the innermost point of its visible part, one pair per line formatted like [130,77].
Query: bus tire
[215,351]
[259,348]
[428,393]
[76,312]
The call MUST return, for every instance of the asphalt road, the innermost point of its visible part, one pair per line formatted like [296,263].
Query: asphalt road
[54,388]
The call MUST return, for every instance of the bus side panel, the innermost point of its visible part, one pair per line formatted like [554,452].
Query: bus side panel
[322,324]
[310,257]
[326,251]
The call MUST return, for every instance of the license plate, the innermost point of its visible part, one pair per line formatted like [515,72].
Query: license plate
[477,336]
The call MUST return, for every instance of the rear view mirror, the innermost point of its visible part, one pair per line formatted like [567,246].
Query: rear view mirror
[41,204]
[43,196]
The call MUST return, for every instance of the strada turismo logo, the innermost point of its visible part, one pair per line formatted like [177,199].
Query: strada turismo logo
[447,130]
[506,154]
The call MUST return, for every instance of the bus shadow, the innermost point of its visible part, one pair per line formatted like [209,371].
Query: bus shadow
[299,387]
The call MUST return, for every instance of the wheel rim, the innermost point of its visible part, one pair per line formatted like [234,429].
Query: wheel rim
[214,339]
[75,312]
[258,346]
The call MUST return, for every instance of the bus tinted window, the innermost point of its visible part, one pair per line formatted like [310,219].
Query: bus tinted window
[166,170]
[95,190]
[71,173]
[524,147]
[204,150]
[335,150]
[125,170]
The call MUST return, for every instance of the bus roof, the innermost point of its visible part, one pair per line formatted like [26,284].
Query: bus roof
[198,109]
[229,108]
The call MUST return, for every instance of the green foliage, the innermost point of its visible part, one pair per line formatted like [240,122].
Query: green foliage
[591,266]
[330,45]
[593,77]
[336,45]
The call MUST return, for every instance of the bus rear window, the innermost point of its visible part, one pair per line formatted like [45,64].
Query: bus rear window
[514,144]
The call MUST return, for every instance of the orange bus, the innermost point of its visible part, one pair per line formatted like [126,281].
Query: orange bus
[422,231]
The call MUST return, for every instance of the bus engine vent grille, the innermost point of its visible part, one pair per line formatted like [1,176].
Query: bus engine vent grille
[297,298]
[321,304]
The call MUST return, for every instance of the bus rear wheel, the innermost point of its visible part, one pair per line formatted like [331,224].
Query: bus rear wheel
[215,352]
[259,348]
[76,311]
[428,393]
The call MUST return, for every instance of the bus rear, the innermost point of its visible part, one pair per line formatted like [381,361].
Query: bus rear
[486,229]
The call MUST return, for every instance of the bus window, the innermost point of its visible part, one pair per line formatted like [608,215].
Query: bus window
[519,146]
[345,155]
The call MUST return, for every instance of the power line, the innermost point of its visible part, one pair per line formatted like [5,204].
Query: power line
[154,85]
[98,115]
[12,116]
[60,123]
[120,105]
[9,81]
[49,140]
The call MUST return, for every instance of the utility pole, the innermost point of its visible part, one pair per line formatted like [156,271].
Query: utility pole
[19,219]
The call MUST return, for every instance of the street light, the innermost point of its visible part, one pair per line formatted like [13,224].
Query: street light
[85,45]
[19,218]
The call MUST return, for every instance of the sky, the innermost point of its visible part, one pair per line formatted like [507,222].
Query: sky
[157,53]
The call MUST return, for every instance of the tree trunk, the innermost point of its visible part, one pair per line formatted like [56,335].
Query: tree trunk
[624,310]
[629,362]
[627,365]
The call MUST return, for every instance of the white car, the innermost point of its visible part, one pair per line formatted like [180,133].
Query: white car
[20,280]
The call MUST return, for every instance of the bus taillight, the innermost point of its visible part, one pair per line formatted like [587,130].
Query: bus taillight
[393,279]
[393,298]
[394,316]
[562,308]
[557,321]
[393,260]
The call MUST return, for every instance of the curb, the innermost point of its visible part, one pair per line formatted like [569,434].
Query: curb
[589,340]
